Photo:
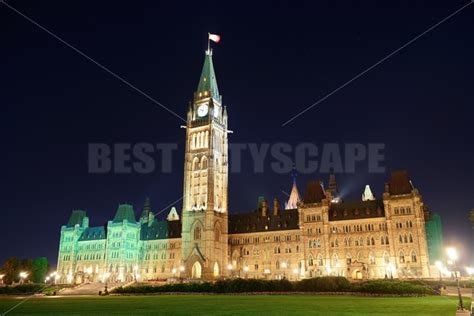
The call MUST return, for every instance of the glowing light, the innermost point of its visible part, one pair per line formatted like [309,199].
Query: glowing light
[266,271]
[229,267]
[181,268]
[246,269]
[173,270]
[470,271]
[452,253]
[284,265]
[296,271]
[439,265]
[23,275]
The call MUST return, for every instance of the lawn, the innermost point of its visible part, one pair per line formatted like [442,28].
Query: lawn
[232,305]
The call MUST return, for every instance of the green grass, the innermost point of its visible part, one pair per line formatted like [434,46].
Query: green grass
[233,305]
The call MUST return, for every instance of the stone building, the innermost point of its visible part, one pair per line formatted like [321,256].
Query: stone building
[317,234]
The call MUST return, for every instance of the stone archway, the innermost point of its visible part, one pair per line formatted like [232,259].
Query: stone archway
[357,274]
[216,271]
[196,271]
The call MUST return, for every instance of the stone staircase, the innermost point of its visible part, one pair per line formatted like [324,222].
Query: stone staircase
[90,288]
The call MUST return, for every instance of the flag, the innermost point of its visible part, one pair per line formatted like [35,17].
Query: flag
[214,37]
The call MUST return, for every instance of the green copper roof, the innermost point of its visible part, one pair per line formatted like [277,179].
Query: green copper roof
[208,81]
[125,211]
[93,233]
[76,218]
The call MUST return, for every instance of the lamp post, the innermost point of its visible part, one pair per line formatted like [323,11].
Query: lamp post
[135,273]
[296,272]
[181,270]
[230,268]
[246,270]
[106,278]
[439,266]
[453,256]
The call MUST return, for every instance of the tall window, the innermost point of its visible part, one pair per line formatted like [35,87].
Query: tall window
[401,257]
[413,256]
[197,233]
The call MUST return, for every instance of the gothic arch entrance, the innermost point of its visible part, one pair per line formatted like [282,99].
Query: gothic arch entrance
[357,275]
[196,271]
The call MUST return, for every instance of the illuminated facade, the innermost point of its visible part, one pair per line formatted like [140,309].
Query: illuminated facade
[318,234]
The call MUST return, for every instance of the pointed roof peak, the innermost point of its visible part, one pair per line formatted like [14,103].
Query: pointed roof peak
[207,82]
[368,195]
[294,198]
[173,215]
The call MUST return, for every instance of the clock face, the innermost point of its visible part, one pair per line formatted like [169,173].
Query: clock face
[202,110]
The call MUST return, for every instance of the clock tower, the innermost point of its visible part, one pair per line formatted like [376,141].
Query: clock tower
[204,226]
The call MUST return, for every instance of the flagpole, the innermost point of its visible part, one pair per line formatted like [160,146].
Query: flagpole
[208,43]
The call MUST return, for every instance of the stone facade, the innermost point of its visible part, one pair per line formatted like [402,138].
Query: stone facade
[318,234]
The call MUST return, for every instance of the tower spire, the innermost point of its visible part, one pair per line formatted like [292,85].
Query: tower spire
[294,198]
[207,86]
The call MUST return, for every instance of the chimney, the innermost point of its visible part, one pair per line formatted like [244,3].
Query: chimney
[264,208]
[276,207]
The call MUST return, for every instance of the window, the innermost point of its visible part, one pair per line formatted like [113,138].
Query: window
[401,257]
[413,256]
[197,233]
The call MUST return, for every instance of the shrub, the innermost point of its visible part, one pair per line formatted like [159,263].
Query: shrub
[21,289]
[391,287]
[321,284]
[324,284]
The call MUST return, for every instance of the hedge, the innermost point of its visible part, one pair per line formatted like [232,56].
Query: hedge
[321,284]
[391,287]
[22,289]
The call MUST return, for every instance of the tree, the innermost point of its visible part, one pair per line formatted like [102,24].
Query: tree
[39,269]
[472,218]
[11,269]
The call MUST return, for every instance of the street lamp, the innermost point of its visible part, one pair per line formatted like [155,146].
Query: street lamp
[453,256]
[23,276]
[181,270]
[106,277]
[135,272]
[246,270]
[439,266]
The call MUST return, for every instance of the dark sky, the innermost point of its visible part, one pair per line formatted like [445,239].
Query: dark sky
[274,60]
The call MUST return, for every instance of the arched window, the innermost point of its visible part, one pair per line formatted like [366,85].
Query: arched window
[405,239]
[386,258]
[310,260]
[382,240]
[195,164]
[371,258]
[320,261]
[413,256]
[197,233]
[335,260]
[386,240]
[206,139]
[411,238]
[400,239]
[204,163]
[401,257]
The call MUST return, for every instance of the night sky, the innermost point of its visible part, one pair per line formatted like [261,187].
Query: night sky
[274,60]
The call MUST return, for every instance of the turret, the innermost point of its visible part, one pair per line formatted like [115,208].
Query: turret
[146,211]
[276,207]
